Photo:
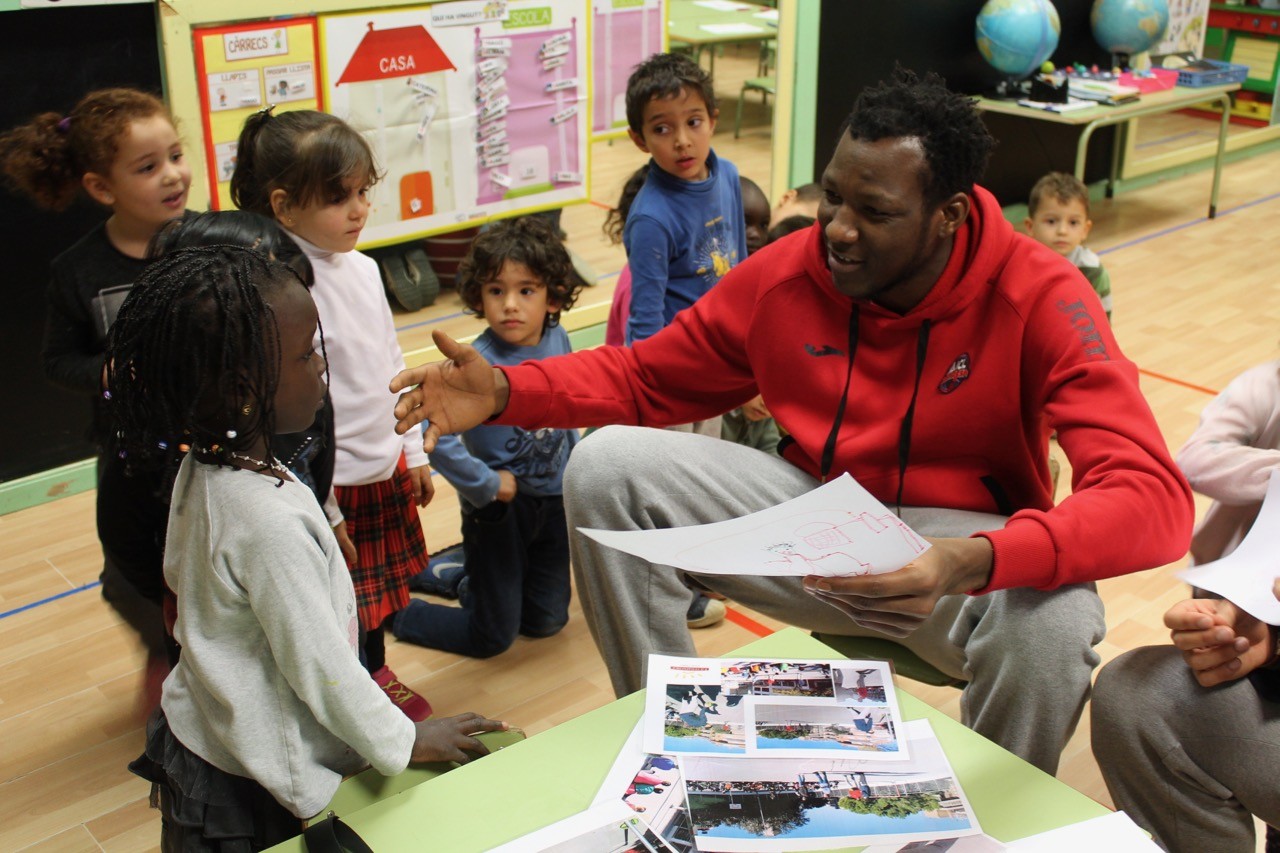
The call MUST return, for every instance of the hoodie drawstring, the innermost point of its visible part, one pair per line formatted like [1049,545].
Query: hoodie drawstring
[904,434]
[829,450]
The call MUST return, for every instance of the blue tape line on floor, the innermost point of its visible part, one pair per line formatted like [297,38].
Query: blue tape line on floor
[16,610]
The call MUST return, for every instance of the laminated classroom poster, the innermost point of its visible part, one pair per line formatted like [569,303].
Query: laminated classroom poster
[243,68]
[774,708]
[624,33]
[473,110]
[743,805]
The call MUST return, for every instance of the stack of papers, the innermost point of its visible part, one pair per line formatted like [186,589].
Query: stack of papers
[1071,105]
[731,29]
[1103,91]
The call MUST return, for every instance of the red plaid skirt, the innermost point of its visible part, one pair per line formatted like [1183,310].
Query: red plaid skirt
[382,521]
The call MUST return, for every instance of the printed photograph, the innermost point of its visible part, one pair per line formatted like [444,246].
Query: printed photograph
[649,785]
[778,678]
[765,804]
[701,719]
[829,728]
[861,683]
[656,792]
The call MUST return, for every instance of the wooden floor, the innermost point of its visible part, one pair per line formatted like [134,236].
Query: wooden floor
[1196,302]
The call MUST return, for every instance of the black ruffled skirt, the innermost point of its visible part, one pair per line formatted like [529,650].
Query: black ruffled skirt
[203,808]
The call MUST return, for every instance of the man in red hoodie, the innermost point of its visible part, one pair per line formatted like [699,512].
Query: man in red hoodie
[913,339]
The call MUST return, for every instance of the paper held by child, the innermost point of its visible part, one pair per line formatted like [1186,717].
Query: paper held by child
[1247,575]
[838,529]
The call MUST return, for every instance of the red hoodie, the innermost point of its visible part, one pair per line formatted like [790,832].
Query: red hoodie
[950,405]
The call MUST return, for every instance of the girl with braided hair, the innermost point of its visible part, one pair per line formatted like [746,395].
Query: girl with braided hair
[268,708]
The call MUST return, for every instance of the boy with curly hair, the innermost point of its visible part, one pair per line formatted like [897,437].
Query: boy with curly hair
[513,576]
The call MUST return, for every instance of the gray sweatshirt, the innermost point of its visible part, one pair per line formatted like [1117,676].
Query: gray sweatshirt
[270,685]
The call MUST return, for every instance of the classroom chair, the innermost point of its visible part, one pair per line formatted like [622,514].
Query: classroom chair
[905,662]
[766,86]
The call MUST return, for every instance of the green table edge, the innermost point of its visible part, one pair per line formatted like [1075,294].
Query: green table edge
[556,774]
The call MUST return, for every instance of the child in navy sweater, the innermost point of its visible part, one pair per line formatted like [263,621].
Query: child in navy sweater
[514,576]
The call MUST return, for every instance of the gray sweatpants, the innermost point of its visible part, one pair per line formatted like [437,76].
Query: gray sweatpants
[1190,764]
[1027,655]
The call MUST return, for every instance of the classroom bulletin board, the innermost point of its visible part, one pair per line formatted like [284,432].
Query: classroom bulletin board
[624,33]
[469,117]
[475,109]
[243,68]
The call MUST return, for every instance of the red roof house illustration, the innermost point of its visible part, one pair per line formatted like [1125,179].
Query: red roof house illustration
[397,52]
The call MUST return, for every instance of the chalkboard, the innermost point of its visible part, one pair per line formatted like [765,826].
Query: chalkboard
[49,58]
[859,43]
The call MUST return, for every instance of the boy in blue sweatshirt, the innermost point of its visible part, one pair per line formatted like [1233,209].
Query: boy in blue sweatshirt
[515,573]
[685,228]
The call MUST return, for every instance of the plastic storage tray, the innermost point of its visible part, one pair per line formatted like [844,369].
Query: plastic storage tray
[1221,72]
[1157,80]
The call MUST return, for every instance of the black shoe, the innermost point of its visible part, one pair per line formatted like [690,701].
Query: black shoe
[443,574]
[704,612]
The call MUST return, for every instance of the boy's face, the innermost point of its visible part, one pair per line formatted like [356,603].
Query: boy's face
[755,208]
[676,132]
[1060,225]
[791,205]
[516,305]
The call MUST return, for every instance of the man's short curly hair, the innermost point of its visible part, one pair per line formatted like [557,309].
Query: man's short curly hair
[955,141]
[528,240]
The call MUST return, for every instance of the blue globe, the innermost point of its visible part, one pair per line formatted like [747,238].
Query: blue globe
[1017,36]
[1129,26]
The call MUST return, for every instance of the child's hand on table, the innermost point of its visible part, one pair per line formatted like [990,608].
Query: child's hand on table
[452,738]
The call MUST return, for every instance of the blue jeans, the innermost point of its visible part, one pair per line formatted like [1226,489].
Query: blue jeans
[517,558]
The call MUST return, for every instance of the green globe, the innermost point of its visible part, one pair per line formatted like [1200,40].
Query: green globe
[1129,26]
[1016,36]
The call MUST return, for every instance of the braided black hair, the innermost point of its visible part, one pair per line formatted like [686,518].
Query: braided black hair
[195,343]
[232,228]
[956,143]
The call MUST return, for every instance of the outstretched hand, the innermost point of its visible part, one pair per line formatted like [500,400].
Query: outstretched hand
[897,603]
[452,738]
[1218,640]
[452,395]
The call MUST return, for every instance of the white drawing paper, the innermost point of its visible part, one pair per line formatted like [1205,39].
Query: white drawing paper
[1115,831]
[1246,576]
[838,529]
[731,29]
